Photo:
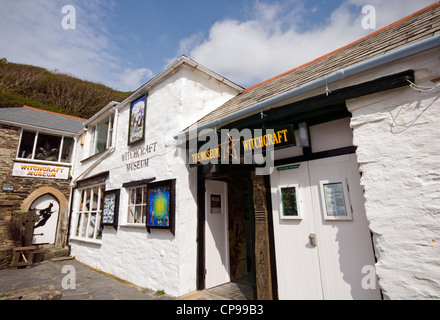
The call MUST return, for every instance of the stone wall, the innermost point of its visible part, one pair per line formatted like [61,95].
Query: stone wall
[25,190]
[397,134]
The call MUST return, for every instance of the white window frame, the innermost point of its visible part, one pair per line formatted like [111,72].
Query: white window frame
[82,226]
[143,205]
[34,148]
[93,133]
[346,198]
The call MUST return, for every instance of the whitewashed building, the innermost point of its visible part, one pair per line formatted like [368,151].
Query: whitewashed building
[350,209]
[321,183]
[113,155]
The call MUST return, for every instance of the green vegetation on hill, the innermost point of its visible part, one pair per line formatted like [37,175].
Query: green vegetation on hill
[53,91]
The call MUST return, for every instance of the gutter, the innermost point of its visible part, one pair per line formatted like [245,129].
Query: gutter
[341,74]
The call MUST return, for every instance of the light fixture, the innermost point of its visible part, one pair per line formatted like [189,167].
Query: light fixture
[303,135]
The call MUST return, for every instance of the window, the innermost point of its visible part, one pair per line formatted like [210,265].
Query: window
[45,147]
[89,217]
[137,207]
[101,135]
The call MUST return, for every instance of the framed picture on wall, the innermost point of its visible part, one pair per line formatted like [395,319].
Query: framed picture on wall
[335,201]
[110,210]
[136,124]
[161,205]
[289,206]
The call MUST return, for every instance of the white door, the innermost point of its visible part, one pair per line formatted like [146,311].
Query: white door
[323,245]
[47,209]
[216,234]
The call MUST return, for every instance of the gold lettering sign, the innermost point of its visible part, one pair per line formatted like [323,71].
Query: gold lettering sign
[235,147]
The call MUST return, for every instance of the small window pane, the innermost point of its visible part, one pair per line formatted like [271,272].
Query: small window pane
[130,218]
[78,225]
[138,214]
[101,139]
[139,196]
[95,199]
[66,153]
[26,145]
[144,214]
[99,228]
[110,131]
[48,147]
[91,228]
[84,225]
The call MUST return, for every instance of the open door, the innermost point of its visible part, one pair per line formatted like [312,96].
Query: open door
[217,268]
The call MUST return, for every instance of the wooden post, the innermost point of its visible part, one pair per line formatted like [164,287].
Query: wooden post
[262,248]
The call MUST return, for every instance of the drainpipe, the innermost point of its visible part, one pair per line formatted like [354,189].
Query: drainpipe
[341,74]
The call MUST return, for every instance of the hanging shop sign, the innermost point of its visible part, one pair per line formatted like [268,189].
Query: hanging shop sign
[136,128]
[39,171]
[227,145]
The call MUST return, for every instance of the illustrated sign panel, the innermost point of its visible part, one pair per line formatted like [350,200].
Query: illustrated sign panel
[136,129]
[289,203]
[111,208]
[161,197]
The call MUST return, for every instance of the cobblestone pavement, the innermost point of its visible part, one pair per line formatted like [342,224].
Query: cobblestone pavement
[90,284]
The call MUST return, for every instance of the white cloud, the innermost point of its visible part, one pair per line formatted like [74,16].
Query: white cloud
[32,33]
[270,42]
[272,39]
[133,78]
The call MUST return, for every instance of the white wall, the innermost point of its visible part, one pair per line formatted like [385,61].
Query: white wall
[156,260]
[398,137]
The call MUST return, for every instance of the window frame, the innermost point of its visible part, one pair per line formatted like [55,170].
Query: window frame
[143,205]
[93,132]
[37,134]
[80,231]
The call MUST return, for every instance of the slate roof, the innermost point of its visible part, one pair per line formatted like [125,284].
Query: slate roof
[41,119]
[414,28]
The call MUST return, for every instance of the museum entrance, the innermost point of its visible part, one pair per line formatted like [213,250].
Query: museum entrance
[229,233]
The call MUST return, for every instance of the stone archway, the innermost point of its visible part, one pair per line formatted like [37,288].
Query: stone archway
[61,234]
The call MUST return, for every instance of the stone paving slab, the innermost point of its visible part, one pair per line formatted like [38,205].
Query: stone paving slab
[89,285]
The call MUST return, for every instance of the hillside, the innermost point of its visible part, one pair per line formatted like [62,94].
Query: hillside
[49,90]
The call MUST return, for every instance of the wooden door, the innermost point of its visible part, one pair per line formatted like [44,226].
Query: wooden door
[217,268]
[45,229]
[322,239]
[297,260]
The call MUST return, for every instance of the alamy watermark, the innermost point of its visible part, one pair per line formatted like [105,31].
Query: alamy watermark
[69,20]
[69,281]
[233,146]
[369,20]
[369,281]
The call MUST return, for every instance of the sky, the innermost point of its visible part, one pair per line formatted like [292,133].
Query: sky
[124,43]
